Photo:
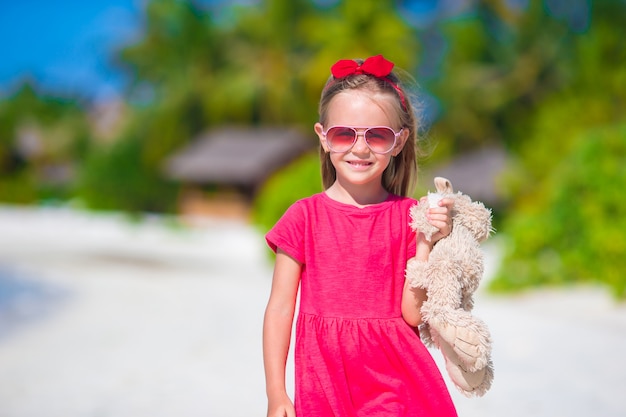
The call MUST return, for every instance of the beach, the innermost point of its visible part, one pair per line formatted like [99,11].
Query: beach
[103,316]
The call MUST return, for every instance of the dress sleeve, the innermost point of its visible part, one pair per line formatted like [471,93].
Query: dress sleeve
[288,232]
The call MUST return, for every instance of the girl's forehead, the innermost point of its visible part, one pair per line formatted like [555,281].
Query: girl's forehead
[363,108]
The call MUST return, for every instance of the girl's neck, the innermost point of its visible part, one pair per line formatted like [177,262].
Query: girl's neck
[359,196]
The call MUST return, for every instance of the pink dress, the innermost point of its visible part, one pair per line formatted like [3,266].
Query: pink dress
[355,356]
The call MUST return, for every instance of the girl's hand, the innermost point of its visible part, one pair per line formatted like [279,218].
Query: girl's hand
[440,217]
[281,407]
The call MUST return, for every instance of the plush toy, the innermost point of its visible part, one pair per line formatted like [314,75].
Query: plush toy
[450,277]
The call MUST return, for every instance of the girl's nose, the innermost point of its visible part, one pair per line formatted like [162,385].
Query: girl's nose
[360,146]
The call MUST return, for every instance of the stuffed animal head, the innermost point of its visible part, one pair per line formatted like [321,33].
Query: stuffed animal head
[472,215]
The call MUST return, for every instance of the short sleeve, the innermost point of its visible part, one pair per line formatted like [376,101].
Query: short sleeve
[288,232]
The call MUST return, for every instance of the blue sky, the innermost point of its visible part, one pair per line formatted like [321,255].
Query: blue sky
[65,45]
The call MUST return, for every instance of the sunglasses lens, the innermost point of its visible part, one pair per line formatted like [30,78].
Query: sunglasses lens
[380,139]
[340,139]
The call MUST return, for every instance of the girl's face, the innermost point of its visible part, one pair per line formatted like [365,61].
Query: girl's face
[361,109]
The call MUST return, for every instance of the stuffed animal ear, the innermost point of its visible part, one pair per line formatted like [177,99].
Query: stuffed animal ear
[443,185]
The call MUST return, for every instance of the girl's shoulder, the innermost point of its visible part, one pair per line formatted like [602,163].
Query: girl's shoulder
[300,209]
[401,203]
[307,202]
[398,199]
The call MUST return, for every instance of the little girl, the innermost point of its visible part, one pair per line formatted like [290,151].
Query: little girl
[357,352]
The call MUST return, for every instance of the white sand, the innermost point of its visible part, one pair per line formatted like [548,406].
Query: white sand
[101,317]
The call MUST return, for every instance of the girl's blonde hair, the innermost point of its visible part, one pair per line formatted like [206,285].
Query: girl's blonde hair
[400,177]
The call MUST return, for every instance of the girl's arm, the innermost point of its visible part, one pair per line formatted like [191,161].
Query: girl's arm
[277,333]
[413,298]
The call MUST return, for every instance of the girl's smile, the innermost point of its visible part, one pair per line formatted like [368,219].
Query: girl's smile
[360,164]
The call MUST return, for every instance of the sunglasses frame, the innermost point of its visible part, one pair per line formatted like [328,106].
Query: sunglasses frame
[364,131]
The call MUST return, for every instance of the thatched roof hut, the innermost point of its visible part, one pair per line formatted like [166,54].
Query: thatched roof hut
[240,157]
[232,158]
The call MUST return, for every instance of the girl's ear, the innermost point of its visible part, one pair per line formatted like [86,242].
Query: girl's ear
[319,130]
[401,141]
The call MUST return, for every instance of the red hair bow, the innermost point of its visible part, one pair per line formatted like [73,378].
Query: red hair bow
[375,65]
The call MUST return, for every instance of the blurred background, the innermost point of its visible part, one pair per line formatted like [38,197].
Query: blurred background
[162,138]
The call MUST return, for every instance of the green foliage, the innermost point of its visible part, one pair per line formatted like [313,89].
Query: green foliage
[42,138]
[566,222]
[19,188]
[179,40]
[571,228]
[121,177]
[299,179]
